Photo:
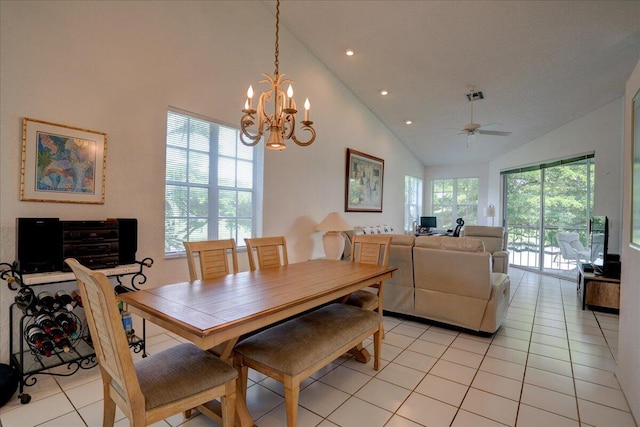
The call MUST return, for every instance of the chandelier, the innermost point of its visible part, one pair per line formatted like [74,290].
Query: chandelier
[281,123]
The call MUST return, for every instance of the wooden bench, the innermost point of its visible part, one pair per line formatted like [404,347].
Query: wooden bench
[292,351]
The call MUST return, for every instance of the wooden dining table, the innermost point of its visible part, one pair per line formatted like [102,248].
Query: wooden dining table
[217,312]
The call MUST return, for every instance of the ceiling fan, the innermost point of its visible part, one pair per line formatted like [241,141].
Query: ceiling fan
[472,129]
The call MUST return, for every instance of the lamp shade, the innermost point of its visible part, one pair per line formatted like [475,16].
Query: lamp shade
[333,222]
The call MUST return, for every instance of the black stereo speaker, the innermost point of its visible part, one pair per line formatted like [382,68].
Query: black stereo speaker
[38,245]
[612,266]
[128,245]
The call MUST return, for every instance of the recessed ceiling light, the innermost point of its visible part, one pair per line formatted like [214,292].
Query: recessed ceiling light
[384,92]
[349,52]
[408,122]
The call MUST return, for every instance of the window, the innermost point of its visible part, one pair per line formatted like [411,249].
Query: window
[412,202]
[213,183]
[454,198]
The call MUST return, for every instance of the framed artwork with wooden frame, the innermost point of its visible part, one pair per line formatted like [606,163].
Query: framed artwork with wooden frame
[363,183]
[62,164]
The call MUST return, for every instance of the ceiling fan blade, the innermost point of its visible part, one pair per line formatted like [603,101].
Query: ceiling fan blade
[493,132]
[491,125]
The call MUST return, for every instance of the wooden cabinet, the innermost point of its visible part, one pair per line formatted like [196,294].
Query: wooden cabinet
[599,291]
[602,293]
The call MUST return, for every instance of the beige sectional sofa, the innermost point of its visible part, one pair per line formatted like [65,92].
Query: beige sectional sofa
[448,280]
[495,241]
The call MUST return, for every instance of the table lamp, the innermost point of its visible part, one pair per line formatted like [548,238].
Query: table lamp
[333,240]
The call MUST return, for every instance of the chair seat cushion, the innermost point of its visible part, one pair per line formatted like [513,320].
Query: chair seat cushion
[304,341]
[362,299]
[179,372]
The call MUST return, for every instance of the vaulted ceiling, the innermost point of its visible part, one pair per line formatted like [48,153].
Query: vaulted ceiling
[539,64]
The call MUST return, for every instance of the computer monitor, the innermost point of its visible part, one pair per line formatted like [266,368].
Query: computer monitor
[428,222]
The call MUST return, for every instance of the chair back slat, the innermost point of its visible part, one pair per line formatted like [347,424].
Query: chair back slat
[214,258]
[371,249]
[109,339]
[270,252]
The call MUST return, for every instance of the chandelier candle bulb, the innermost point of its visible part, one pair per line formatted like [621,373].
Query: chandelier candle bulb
[290,97]
[307,106]
[249,103]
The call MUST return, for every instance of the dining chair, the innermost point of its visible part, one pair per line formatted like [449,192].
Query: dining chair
[370,249]
[270,252]
[214,258]
[156,387]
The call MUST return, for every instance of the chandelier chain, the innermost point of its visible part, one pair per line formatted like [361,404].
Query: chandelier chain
[277,62]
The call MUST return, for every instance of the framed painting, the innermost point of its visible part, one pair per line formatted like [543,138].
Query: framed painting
[364,181]
[62,163]
[635,172]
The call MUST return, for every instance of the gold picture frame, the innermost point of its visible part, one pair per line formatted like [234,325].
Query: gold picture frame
[63,164]
[363,183]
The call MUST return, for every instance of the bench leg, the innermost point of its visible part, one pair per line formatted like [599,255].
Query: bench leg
[377,346]
[291,397]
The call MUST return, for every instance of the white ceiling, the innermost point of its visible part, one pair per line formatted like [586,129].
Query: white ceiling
[540,64]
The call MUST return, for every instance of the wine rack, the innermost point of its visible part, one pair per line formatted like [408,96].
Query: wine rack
[31,360]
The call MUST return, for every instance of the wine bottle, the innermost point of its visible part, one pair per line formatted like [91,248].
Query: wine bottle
[67,323]
[26,301]
[46,348]
[64,345]
[47,300]
[57,334]
[36,335]
[64,300]
[45,321]
[77,298]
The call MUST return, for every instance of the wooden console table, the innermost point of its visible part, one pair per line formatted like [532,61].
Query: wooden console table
[597,290]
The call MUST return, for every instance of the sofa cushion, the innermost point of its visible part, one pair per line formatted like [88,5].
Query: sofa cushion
[493,237]
[483,231]
[376,229]
[403,240]
[461,244]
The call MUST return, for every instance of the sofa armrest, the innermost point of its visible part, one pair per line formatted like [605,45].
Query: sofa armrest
[500,262]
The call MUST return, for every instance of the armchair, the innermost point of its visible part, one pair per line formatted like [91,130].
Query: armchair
[495,241]
[571,247]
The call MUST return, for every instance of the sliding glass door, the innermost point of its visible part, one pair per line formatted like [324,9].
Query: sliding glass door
[542,201]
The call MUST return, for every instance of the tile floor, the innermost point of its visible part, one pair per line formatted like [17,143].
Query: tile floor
[550,364]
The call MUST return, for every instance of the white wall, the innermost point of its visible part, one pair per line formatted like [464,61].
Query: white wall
[115,67]
[599,131]
[628,371]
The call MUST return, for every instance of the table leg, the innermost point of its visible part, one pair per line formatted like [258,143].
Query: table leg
[361,354]
[579,279]
[213,409]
